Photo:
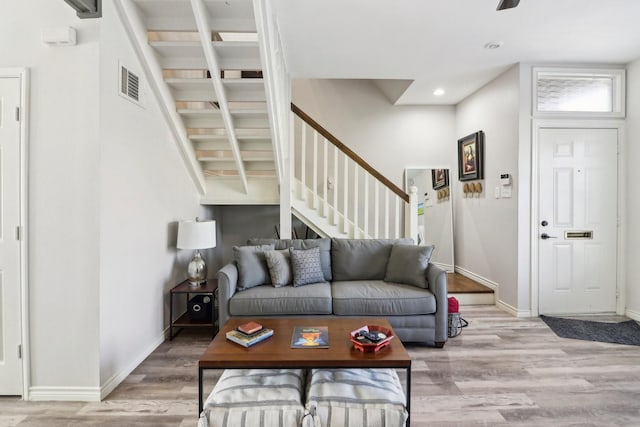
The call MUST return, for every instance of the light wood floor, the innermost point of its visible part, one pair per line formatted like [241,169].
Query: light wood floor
[500,371]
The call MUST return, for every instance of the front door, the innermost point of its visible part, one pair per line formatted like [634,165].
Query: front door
[578,214]
[10,363]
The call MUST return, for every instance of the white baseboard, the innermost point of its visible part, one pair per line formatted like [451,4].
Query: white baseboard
[512,310]
[446,267]
[632,314]
[77,394]
[482,280]
[93,394]
[118,377]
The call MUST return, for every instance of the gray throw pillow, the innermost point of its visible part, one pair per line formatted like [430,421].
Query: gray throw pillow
[325,252]
[252,266]
[279,267]
[306,267]
[324,244]
[408,265]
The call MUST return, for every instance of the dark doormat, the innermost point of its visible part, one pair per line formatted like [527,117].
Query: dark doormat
[618,333]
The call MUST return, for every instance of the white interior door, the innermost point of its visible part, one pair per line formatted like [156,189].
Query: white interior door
[578,214]
[10,331]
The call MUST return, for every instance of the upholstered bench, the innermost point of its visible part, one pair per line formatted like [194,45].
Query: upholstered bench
[355,398]
[256,397]
[335,398]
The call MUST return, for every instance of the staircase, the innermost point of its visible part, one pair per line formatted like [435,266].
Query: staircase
[216,69]
[339,194]
[205,62]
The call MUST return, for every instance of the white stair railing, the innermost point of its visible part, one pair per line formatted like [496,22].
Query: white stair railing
[332,188]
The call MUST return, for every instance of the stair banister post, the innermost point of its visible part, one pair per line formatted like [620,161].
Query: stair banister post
[411,215]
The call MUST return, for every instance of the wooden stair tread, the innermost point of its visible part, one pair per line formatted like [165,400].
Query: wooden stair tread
[457,283]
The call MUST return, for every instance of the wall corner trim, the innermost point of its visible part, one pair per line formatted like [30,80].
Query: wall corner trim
[632,314]
[512,310]
[118,377]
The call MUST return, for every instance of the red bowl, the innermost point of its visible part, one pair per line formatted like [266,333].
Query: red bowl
[371,347]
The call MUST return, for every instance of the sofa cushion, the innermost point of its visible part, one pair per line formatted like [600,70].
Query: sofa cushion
[408,264]
[279,263]
[270,301]
[323,244]
[252,266]
[378,298]
[361,259]
[305,264]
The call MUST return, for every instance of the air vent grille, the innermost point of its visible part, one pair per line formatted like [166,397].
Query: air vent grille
[129,85]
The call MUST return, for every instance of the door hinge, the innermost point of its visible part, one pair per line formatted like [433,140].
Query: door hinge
[17,114]
[19,351]
[18,234]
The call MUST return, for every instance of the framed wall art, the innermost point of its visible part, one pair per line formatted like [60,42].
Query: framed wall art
[471,157]
[440,178]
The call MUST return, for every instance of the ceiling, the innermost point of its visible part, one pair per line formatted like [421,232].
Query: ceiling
[411,47]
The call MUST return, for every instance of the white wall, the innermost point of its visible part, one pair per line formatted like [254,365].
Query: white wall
[486,240]
[106,185]
[144,190]
[389,138]
[633,195]
[63,202]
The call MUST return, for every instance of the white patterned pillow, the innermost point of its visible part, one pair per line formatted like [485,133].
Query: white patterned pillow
[256,397]
[355,397]
[306,266]
[279,267]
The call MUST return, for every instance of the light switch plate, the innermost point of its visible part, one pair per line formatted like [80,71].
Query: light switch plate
[497,192]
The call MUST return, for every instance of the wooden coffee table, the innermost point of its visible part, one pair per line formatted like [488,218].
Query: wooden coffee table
[276,352]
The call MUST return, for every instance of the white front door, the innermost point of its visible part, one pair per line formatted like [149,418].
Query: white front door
[10,332]
[578,214]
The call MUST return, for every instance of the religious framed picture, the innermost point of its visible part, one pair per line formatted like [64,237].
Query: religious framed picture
[471,157]
[440,178]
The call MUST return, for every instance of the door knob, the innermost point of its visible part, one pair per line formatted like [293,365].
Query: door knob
[545,236]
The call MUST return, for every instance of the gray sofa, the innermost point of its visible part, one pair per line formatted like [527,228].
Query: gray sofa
[363,277]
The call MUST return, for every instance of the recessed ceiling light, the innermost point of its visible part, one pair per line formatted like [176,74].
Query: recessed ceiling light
[438,92]
[493,45]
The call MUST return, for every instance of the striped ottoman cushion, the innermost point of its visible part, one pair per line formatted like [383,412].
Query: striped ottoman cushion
[256,397]
[355,398]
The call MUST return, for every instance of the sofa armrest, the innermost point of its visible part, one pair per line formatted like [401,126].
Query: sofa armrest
[437,279]
[227,281]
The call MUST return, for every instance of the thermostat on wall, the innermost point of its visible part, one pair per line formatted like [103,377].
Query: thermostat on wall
[505,179]
[59,36]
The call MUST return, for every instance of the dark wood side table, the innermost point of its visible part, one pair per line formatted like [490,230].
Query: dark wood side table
[184,288]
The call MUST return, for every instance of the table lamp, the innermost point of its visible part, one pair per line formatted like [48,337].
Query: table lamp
[196,235]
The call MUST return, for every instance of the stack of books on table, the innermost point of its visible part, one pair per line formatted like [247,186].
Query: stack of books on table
[249,334]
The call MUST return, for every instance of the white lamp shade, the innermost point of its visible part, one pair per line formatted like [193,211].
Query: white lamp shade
[196,234]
